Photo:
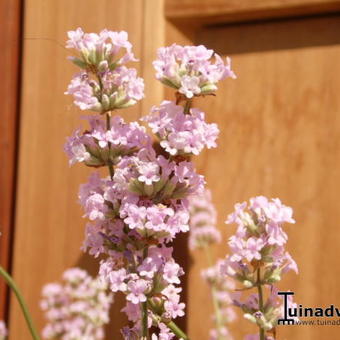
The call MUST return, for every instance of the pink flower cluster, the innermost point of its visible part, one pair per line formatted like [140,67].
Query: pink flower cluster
[3,330]
[180,132]
[203,234]
[104,84]
[92,147]
[140,208]
[203,218]
[190,70]
[258,257]
[221,289]
[259,238]
[155,279]
[77,309]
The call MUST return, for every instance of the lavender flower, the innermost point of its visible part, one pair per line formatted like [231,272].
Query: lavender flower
[258,258]
[203,234]
[140,208]
[181,133]
[100,146]
[203,231]
[222,289]
[77,309]
[94,49]
[189,69]
[105,83]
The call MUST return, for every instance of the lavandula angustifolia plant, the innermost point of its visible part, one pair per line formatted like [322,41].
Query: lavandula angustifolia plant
[139,208]
[77,309]
[203,234]
[258,260]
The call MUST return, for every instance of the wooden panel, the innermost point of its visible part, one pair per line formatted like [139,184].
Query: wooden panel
[49,228]
[10,27]
[153,38]
[201,12]
[280,128]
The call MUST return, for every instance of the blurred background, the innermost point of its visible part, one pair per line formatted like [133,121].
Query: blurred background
[279,125]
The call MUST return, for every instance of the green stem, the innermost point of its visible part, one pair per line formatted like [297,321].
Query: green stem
[187,106]
[145,328]
[172,326]
[177,331]
[217,311]
[108,127]
[260,292]
[21,301]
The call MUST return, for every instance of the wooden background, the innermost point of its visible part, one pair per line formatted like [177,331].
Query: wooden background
[279,126]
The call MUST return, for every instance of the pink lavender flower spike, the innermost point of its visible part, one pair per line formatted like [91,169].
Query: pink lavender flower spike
[260,237]
[138,210]
[190,69]
[76,309]
[222,289]
[258,260]
[203,234]
[203,230]
[158,266]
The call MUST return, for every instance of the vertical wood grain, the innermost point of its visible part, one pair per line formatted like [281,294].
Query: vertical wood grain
[10,29]
[202,12]
[49,227]
[153,38]
[280,131]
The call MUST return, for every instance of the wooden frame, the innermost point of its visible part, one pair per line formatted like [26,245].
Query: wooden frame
[10,32]
[203,12]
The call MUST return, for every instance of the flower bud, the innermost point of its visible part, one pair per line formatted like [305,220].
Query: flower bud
[97,107]
[136,187]
[105,102]
[247,283]
[148,189]
[169,83]
[78,62]
[250,317]
[208,88]
[168,189]
[92,57]
[85,54]
[103,66]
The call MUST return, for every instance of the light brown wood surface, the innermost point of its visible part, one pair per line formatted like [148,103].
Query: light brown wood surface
[280,137]
[201,12]
[10,27]
[49,227]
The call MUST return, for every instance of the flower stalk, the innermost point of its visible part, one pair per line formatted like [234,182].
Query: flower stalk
[22,303]
[217,311]
[108,127]
[145,326]
[179,333]
[260,292]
